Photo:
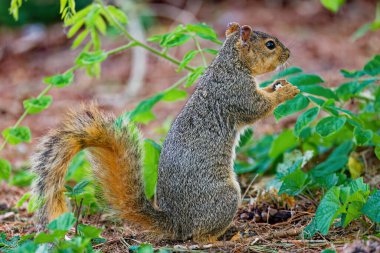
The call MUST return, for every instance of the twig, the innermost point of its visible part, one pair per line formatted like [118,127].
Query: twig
[78,213]
[249,186]
[285,233]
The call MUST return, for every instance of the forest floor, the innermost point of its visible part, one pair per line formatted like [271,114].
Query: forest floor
[319,42]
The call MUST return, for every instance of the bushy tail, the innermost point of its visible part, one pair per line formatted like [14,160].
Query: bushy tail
[116,161]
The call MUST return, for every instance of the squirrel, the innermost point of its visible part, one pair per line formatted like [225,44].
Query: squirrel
[197,193]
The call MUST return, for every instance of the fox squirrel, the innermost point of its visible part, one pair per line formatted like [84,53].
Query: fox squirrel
[197,192]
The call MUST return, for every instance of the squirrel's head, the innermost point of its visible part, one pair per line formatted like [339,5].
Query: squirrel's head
[260,52]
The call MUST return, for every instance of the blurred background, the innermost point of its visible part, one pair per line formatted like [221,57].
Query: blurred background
[36,46]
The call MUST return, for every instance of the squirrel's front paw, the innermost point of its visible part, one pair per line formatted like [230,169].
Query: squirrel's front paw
[285,90]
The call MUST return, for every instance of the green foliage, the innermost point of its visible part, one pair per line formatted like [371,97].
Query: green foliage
[15,5]
[345,201]
[152,154]
[372,207]
[54,238]
[371,26]
[333,5]
[297,104]
[60,81]
[37,105]
[5,169]
[16,135]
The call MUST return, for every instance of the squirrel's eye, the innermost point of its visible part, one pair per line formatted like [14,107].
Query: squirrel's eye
[270,45]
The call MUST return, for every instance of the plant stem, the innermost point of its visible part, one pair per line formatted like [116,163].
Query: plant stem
[200,51]
[137,42]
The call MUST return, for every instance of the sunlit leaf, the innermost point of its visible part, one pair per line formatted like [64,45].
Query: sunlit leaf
[305,119]
[36,105]
[304,79]
[332,5]
[297,104]
[17,135]
[362,136]
[373,66]
[174,95]
[61,80]
[64,222]
[152,154]
[329,125]
[372,207]
[5,169]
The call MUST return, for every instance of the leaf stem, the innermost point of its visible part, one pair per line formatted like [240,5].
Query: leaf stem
[200,51]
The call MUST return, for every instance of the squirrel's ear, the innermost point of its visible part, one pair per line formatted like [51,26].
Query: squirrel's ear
[245,34]
[231,28]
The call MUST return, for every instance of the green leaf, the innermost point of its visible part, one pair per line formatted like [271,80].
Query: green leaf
[245,137]
[362,136]
[61,80]
[89,231]
[79,168]
[377,152]
[36,105]
[187,58]
[63,223]
[337,160]
[142,112]
[100,24]
[176,40]
[316,100]
[210,51]
[326,213]
[22,178]
[22,200]
[286,140]
[5,169]
[304,79]
[75,28]
[90,58]
[297,104]
[17,135]
[328,251]
[329,166]
[79,39]
[194,76]
[319,91]
[34,204]
[361,31]
[332,5]
[372,207]
[204,31]
[79,188]
[145,248]
[373,66]
[49,237]
[174,95]
[293,183]
[287,72]
[305,119]
[118,14]
[152,154]
[352,74]
[330,125]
